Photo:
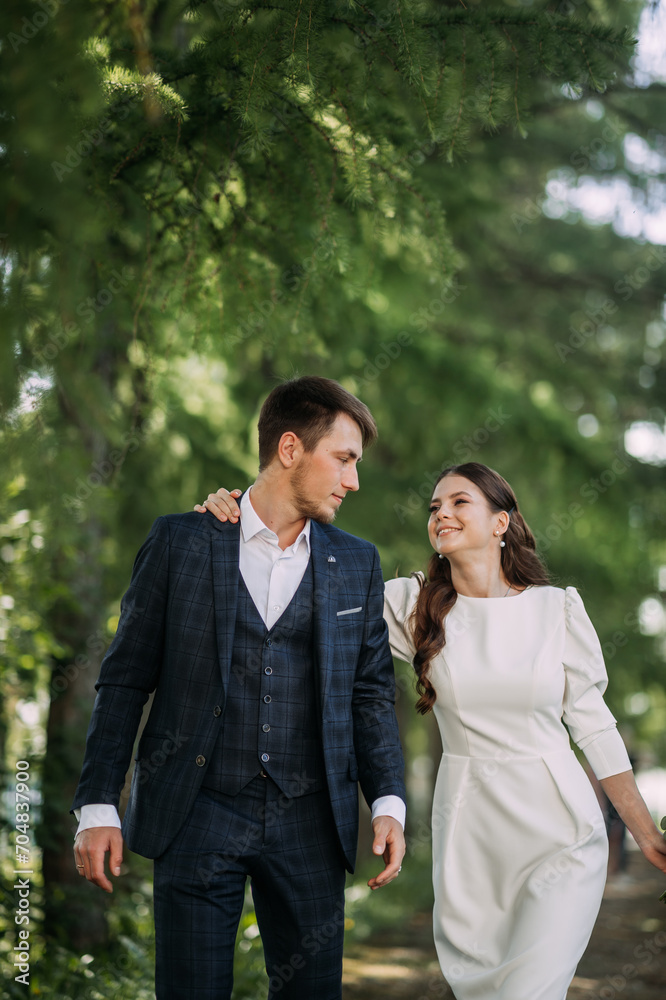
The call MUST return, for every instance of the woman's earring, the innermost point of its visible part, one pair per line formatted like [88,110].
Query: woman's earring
[502,542]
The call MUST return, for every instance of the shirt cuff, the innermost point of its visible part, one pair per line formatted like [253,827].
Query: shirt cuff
[390,805]
[606,753]
[97,814]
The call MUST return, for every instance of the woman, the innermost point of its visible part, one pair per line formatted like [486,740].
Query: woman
[519,842]
[502,657]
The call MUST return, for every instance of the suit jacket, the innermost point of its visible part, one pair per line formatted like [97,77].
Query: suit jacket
[175,637]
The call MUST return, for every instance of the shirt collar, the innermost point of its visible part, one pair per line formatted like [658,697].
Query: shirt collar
[251,524]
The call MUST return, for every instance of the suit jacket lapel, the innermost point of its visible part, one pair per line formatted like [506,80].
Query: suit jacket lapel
[326,582]
[225,546]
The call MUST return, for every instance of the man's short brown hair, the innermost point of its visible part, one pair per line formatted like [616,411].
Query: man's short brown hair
[308,407]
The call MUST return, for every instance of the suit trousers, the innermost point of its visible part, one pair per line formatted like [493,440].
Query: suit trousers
[290,851]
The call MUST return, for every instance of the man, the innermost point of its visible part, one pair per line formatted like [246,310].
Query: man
[266,648]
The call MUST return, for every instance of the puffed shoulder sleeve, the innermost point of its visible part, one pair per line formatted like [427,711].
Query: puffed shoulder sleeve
[399,599]
[588,718]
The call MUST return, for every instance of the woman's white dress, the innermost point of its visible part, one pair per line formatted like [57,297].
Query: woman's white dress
[519,843]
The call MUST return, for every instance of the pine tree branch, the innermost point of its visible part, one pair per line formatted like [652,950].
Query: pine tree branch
[515,88]
[462,98]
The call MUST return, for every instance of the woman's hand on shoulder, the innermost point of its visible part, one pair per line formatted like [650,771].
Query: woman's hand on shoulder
[222,504]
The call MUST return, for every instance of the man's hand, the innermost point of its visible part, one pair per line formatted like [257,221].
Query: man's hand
[90,849]
[222,504]
[390,843]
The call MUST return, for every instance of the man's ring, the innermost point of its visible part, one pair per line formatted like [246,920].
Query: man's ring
[80,866]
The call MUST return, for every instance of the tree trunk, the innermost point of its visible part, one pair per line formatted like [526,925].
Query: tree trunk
[74,909]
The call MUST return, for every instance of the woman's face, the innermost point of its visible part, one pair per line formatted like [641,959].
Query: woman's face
[461,519]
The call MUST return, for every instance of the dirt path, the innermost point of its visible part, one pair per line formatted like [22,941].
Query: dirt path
[626,957]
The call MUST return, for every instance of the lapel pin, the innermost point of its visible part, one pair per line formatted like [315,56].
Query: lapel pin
[332,559]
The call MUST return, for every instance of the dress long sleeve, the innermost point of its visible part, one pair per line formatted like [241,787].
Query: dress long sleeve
[399,598]
[589,720]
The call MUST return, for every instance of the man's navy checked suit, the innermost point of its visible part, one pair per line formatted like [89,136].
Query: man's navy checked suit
[176,636]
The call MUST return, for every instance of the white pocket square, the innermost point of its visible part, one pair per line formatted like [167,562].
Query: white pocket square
[349,611]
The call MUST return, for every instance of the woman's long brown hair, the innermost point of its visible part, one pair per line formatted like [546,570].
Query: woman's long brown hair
[521,565]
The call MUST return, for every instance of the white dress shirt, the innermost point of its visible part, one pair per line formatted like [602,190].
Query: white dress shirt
[272,576]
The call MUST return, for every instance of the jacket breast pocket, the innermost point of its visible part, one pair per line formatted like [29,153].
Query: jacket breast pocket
[350,616]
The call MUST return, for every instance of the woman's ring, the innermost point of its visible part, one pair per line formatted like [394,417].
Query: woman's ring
[80,866]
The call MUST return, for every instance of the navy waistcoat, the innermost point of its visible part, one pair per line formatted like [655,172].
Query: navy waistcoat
[271,721]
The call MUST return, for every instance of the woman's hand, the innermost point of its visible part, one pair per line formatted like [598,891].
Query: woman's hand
[655,852]
[621,789]
[222,504]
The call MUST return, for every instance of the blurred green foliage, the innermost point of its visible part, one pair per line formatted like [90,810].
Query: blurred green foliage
[198,201]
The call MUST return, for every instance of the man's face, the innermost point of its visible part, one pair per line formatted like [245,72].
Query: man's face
[323,476]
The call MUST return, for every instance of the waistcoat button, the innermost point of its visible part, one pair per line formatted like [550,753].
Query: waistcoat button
[217,711]
[200,761]
[266,728]
[265,757]
[267,698]
[268,670]
[269,642]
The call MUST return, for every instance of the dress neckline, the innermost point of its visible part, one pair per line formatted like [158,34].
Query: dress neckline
[502,598]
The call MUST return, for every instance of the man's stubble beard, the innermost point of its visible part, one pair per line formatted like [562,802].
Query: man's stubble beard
[305,505]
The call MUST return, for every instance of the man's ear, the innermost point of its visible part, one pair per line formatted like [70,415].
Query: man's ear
[289,449]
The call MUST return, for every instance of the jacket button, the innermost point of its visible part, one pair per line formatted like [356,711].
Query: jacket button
[267,699]
[200,761]
[265,757]
[265,728]
[217,711]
